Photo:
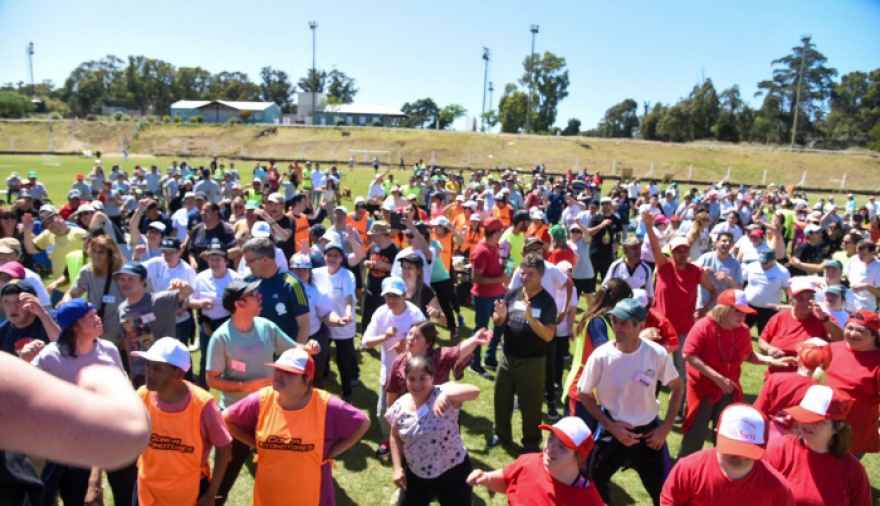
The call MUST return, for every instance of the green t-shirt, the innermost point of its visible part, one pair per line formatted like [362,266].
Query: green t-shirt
[516,244]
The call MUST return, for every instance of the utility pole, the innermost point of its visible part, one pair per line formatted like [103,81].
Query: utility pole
[313,25]
[534,30]
[486,56]
[797,99]
[31,63]
[491,89]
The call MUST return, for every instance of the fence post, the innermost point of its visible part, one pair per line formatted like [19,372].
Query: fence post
[11,143]
[271,151]
[302,152]
[434,153]
[614,167]
[729,170]
[577,165]
[803,180]
[242,153]
[186,148]
[214,148]
[51,146]
[466,163]
[843,181]
[764,181]
[691,172]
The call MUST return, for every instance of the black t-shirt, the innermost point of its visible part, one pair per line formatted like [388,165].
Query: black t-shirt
[830,245]
[20,484]
[376,276]
[146,220]
[10,334]
[601,243]
[808,254]
[425,296]
[201,238]
[520,341]
[288,246]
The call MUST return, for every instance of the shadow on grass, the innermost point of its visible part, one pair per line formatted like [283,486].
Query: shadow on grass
[619,495]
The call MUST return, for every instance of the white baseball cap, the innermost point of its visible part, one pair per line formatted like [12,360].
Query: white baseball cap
[439,221]
[742,432]
[678,242]
[573,433]
[821,403]
[158,225]
[261,229]
[296,361]
[168,350]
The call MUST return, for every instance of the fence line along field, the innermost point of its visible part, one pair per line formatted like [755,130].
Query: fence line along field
[361,478]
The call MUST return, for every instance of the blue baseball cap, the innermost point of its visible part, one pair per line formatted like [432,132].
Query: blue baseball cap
[629,309]
[133,269]
[70,312]
[393,285]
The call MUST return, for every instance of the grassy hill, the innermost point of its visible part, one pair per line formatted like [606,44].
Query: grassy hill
[709,161]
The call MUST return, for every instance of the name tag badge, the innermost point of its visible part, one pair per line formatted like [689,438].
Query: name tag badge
[536,313]
[519,306]
[50,249]
[109,299]
[644,380]
[238,365]
[148,317]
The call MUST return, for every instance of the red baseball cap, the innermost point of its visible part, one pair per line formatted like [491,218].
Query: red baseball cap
[821,403]
[491,225]
[743,432]
[756,233]
[867,318]
[296,361]
[13,269]
[737,299]
[573,433]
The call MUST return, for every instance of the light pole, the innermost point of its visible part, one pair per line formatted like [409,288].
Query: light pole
[31,64]
[486,56]
[534,30]
[313,26]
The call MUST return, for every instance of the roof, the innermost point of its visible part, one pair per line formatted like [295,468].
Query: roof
[241,106]
[373,110]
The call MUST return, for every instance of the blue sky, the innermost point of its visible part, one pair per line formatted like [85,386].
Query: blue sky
[402,51]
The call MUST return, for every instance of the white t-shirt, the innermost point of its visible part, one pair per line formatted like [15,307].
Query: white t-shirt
[340,288]
[553,282]
[160,275]
[859,272]
[209,287]
[563,329]
[382,320]
[640,277]
[765,287]
[179,220]
[749,251]
[37,282]
[625,383]
[319,306]
[427,267]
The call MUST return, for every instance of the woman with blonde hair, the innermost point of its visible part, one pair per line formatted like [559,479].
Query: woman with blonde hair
[783,390]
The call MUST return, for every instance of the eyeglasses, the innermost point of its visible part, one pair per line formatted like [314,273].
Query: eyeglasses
[249,261]
[575,231]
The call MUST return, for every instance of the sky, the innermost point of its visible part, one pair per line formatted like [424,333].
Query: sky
[401,51]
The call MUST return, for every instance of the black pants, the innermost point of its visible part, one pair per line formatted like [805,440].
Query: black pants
[601,264]
[761,318]
[556,350]
[372,302]
[72,483]
[450,488]
[240,452]
[209,325]
[346,362]
[322,336]
[445,291]
[610,455]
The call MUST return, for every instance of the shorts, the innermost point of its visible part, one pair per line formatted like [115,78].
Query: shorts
[587,286]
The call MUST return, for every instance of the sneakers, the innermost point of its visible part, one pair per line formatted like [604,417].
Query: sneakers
[461,320]
[493,442]
[383,450]
[552,413]
[453,334]
[478,369]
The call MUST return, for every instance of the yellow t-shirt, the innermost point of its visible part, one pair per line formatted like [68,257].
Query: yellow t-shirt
[58,246]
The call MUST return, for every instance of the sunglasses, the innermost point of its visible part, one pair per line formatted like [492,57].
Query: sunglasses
[575,231]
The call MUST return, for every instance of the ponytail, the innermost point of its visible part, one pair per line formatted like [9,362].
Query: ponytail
[819,375]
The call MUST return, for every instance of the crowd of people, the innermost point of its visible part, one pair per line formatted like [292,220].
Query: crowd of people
[590,298]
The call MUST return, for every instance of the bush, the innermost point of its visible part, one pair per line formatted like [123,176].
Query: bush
[177,119]
[121,116]
[55,115]
[377,123]
[341,122]
[233,121]
[166,119]
[196,119]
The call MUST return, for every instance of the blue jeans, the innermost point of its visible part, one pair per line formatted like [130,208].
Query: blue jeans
[483,309]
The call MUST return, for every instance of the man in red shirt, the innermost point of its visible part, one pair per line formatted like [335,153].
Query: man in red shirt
[73,201]
[488,278]
[731,473]
[678,283]
[789,328]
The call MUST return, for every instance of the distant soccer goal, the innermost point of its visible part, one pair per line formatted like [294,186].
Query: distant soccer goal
[367,155]
[51,160]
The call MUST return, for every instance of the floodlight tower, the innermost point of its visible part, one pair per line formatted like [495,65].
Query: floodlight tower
[486,57]
[30,52]
[313,26]
[534,30]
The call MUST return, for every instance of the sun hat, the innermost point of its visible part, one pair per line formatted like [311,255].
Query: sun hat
[742,432]
[737,299]
[378,227]
[295,361]
[821,403]
[573,433]
[10,245]
[393,285]
[167,350]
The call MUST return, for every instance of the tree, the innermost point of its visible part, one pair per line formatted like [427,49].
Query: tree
[815,88]
[449,114]
[93,83]
[233,86]
[512,109]
[422,113]
[549,76]
[276,87]
[855,106]
[340,87]
[649,128]
[191,83]
[573,127]
[702,108]
[676,125]
[621,120]
[491,118]
[313,82]
[14,104]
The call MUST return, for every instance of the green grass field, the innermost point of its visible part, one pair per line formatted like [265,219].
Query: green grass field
[361,478]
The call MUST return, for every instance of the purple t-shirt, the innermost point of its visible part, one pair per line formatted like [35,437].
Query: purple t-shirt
[341,421]
[56,360]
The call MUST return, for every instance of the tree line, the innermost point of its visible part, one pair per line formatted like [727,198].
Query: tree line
[830,114]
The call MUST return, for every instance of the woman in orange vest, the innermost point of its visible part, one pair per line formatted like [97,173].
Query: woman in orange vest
[538,228]
[186,423]
[297,430]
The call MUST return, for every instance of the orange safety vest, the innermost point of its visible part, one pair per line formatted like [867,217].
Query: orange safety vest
[447,243]
[361,226]
[470,240]
[290,450]
[170,468]
[504,214]
[301,234]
